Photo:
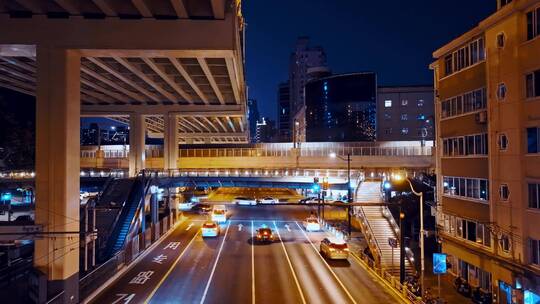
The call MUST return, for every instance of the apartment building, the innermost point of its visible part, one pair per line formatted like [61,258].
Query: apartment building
[487,84]
[405,113]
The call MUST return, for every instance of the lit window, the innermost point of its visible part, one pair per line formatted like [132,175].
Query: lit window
[387,116]
[388,103]
[421,117]
[420,103]
[404,117]
[504,192]
[501,91]
[405,131]
[404,102]
[504,242]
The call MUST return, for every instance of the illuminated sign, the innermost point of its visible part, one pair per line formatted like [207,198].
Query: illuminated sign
[439,263]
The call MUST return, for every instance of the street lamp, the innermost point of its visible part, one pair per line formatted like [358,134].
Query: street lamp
[349,195]
[295,133]
[399,178]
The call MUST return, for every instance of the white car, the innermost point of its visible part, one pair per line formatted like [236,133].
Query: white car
[245,201]
[312,224]
[210,229]
[186,205]
[309,200]
[268,200]
[219,214]
[84,194]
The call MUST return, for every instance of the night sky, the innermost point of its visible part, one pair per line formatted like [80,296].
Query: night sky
[394,38]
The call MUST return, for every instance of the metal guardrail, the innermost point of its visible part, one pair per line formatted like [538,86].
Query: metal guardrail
[28,175]
[372,241]
[275,150]
[388,215]
[388,278]
[333,173]
[100,275]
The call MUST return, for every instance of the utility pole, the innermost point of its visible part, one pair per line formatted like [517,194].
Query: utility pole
[349,195]
[401,244]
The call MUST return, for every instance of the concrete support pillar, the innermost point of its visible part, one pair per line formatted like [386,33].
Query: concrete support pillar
[57,170]
[170,141]
[137,136]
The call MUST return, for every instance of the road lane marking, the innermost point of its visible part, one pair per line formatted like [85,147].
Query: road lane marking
[189,226]
[290,264]
[252,265]
[326,263]
[170,268]
[124,297]
[114,279]
[215,264]
[240,227]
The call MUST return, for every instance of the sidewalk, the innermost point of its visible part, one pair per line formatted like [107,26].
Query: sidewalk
[448,292]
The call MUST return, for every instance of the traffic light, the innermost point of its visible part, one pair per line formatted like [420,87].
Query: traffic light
[325,185]
[316,188]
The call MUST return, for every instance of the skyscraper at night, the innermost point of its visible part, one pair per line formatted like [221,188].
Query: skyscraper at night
[284,112]
[253,116]
[303,58]
[341,108]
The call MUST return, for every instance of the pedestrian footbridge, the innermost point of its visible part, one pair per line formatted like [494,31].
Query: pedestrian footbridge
[376,157]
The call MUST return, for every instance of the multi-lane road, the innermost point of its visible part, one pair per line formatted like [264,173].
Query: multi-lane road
[185,268]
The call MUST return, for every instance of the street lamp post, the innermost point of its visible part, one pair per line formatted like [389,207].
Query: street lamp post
[421,195]
[402,244]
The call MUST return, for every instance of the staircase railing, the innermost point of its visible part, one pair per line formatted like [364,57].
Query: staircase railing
[372,240]
[132,230]
[122,213]
[373,244]
[395,228]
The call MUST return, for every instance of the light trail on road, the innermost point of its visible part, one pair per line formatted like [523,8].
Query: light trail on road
[232,268]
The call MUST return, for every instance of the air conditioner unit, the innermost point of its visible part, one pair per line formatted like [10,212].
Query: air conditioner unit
[481,117]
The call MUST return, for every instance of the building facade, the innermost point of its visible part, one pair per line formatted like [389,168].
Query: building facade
[487,85]
[265,131]
[405,113]
[253,117]
[303,58]
[341,108]
[284,113]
